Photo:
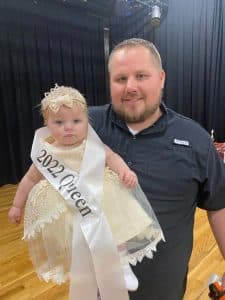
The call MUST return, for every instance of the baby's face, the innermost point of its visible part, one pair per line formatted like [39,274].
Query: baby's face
[68,126]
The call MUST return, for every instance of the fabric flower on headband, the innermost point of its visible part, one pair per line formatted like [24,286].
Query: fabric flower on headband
[55,103]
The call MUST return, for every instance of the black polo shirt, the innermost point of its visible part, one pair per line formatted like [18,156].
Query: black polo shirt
[178,168]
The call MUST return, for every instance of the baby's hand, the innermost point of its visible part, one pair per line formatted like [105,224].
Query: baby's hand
[15,214]
[129,178]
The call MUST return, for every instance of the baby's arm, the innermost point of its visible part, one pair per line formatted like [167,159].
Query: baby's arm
[118,165]
[32,177]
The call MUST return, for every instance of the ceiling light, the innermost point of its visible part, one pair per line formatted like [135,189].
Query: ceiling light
[155,16]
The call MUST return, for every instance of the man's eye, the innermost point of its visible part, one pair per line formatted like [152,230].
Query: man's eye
[141,76]
[121,79]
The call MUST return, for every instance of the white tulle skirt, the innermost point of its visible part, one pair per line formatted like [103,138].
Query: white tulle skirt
[48,226]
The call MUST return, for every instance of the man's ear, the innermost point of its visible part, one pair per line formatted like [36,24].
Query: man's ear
[163,78]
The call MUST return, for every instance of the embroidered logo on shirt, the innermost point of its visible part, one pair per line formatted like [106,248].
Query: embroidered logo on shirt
[181,142]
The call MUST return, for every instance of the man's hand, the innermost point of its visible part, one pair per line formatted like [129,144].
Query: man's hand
[223,281]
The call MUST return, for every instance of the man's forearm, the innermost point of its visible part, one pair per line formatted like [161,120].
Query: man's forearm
[217,222]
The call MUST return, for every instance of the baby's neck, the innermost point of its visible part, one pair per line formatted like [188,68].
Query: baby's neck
[59,145]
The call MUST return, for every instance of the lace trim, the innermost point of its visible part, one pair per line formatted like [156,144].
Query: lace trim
[138,256]
[31,232]
[111,175]
[55,275]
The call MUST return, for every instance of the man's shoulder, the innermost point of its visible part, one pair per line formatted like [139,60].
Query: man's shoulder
[97,110]
[185,122]
[188,128]
[98,115]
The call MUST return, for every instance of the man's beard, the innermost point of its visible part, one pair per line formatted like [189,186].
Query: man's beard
[136,117]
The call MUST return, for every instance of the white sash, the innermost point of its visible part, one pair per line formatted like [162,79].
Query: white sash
[95,259]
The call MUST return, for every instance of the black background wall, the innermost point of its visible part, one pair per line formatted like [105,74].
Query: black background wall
[43,43]
[49,41]
[191,40]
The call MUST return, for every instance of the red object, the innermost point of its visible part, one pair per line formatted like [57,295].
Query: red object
[220,147]
[216,291]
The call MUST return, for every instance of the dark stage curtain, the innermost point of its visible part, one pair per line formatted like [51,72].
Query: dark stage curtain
[45,42]
[42,43]
[191,41]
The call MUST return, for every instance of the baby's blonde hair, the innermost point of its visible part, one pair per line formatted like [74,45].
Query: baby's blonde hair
[61,95]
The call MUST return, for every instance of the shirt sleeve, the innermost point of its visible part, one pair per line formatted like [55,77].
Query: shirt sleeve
[212,190]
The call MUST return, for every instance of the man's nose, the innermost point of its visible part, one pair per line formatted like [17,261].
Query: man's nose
[131,84]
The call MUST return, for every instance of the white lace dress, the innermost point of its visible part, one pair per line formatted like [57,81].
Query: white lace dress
[48,221]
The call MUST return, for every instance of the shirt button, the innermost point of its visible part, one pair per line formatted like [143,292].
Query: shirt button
[129,163]
[134,137]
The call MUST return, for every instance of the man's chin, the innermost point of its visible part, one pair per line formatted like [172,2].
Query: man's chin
[133,117]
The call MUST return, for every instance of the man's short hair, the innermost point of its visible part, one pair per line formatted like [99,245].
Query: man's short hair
[136,42]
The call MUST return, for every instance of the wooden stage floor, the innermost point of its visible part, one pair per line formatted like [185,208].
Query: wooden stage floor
[18,280]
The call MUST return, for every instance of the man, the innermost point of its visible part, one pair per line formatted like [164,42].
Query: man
[174,158]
